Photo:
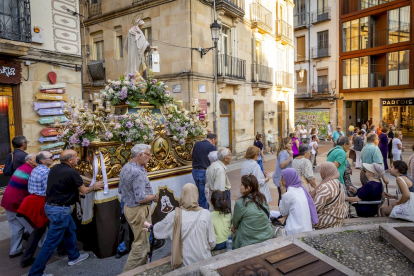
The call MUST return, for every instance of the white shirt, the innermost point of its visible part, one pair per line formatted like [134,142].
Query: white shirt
[329,129]
[303,133]
[200,241]
[216,177]
[294,204]
[395,143]
[311,145]
[251,167]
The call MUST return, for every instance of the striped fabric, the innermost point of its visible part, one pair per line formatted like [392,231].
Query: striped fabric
[16,191]
[334,214]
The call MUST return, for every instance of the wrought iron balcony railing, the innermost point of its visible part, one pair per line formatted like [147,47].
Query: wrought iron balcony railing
[321,15]
[320,52]
[321,89]
[232,67]
[284,31]
[15,20]
[239,4]
[301,20]
[260,17]
[95,9]
[261,73]
[284,79]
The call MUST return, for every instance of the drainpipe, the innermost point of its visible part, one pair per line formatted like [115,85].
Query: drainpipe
[309,53]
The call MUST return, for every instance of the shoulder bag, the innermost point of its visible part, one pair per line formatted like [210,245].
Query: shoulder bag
[336,195]
[192,226]
[8,168]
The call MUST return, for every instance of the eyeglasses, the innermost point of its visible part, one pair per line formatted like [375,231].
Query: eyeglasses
[147,154]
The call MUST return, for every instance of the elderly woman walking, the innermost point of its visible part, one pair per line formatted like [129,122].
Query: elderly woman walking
[190,228]
[250,166]
[329,198]
[251,215]
[303,167]
[296,204]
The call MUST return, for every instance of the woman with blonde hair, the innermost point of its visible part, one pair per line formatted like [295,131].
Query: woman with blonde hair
[284,160]
[250,166]
[190,228]
[397,147]
[329,198]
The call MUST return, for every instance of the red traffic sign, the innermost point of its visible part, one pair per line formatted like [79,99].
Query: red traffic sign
[50,131]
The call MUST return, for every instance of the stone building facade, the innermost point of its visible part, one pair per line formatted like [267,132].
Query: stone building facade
[317,53]
[36,39]
[255,58]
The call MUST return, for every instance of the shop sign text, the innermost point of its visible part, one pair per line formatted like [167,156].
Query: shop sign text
[396,102]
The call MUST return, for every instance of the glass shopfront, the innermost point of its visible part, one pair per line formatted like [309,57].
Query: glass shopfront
[399,112]
[7,129]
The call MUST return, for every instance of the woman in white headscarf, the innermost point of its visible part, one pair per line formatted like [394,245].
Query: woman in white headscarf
[190,228]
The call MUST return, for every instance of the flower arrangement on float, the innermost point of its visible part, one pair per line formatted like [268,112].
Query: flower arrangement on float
[100,123]
[132,89]
[181,124]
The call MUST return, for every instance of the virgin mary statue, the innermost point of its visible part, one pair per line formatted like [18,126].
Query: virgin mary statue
[136,45]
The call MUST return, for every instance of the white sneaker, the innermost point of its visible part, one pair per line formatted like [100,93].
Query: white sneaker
[81,258]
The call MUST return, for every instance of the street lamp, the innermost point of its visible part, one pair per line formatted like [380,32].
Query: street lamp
[215,36]
[301,74]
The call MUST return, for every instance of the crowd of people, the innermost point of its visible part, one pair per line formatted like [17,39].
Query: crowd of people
[39,199]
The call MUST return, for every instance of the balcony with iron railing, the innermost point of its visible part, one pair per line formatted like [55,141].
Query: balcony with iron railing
[95,9]
[379,38]
[284,79]
[301,20]
[262,74]
[284,32]
[321,15]
[321,51]
[231,67]
[15,21]
[234,8]
[260,17]
[321,89]
[15,29]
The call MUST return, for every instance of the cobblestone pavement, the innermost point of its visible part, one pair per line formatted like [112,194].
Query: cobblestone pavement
[363,251]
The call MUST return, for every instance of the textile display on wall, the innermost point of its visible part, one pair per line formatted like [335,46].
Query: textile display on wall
[98,229]
[308,117]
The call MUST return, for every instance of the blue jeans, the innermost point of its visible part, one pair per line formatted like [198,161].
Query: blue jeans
[220,246]
[260,162]
[200,181]
[61,227]
[228,197]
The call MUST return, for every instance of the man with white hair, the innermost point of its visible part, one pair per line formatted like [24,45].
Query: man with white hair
[13,196]
[216,174]
[137,194]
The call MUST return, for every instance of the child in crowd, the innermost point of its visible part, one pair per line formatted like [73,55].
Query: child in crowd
[221,217]
[314,145]
[258,143]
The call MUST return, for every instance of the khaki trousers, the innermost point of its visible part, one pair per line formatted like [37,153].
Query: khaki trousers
[136,216]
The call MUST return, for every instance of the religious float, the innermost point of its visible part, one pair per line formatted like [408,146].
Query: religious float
[128,111]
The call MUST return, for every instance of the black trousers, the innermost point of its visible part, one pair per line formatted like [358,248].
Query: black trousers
[31,245]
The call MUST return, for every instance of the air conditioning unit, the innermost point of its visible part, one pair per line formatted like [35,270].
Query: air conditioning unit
[96,69]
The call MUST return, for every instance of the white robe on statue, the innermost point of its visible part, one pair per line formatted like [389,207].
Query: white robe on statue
[135,45]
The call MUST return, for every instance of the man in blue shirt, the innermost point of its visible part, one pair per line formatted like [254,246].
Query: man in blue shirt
[200,163]
[337,133]
[337,155]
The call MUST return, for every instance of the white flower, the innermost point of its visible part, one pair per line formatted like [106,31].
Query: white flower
[126,78]
[186,133]
[138,122]
[170,116]
[175,138]
[179,112]
[126,82]
[107,88]
[118,83]
[145,137]
[111,90]
[110,135]
[109,81]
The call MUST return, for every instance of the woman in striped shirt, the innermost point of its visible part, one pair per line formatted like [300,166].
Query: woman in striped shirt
[329,198]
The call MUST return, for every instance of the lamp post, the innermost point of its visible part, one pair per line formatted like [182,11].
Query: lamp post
[215,34]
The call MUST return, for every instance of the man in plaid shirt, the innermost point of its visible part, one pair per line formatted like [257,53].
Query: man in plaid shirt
[33,205]
[38,178]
